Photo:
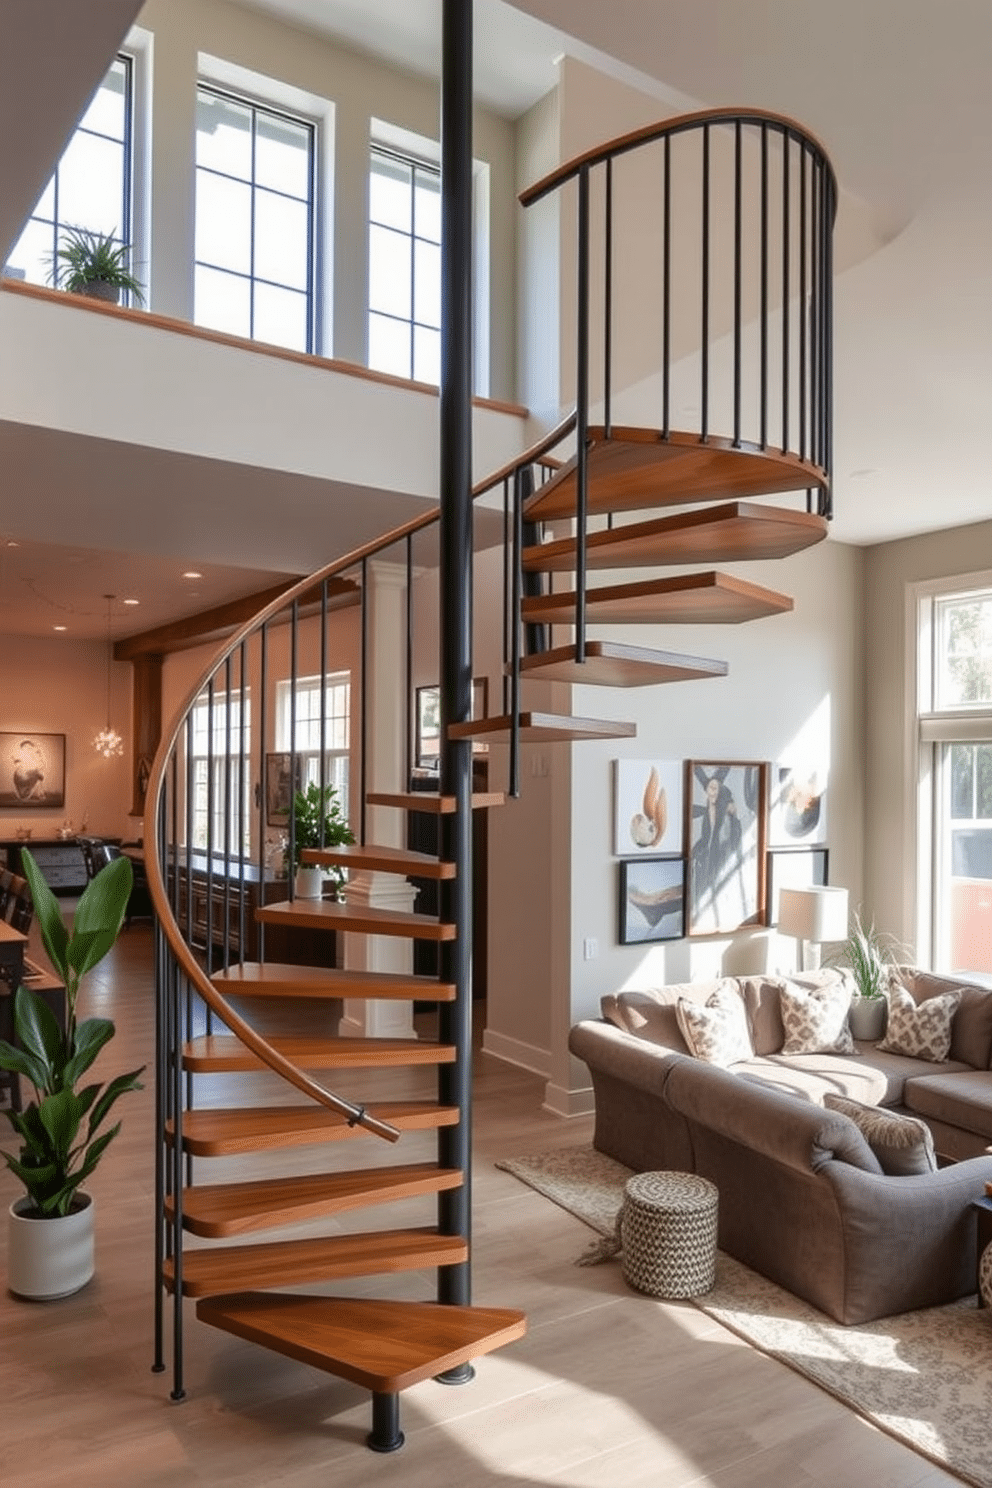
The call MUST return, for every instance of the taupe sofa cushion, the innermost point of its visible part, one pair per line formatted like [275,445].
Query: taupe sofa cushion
[812,1076]
[963,1100]
[971,1027]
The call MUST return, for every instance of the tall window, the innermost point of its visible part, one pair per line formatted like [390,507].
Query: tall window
[221,787]
[298,726]
[91,186]
[956,738]
[254,269]
[404,267]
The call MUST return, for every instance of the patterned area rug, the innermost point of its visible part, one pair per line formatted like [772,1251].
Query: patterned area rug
[924,1377]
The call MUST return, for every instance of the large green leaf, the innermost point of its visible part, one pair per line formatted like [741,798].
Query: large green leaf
[114,1090]
[100,914]
[38,1029]
[22,1063]
[48,914]
[91,1035]
[60,1116]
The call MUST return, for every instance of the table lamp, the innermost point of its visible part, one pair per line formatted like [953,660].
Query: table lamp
[813,915]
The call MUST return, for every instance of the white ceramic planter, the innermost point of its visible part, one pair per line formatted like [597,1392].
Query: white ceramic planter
[867,1017]
[309,883]
[49,1258]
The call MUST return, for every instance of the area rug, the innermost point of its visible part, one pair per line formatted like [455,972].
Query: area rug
[923,1377]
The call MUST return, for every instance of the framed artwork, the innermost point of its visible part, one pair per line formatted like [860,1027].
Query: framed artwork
[280,787]
[652,900]
[725,845]
[427,721]
[32,769]
[798,810]
[794,868]
[647,806]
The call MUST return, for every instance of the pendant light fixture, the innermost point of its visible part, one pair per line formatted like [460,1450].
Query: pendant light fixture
[108,741]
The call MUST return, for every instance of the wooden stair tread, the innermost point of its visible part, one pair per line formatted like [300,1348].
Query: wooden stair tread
[640,468]
[380,859]
[383,1346]
[278,1263]
[331,914]
[215,1053]
[615,664]
[431,803]
[547,727]
[227,1131]
[275,979]
[691,599]
[217,1210]
[737,531]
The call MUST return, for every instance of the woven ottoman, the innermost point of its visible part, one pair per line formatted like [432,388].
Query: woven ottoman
[667,1231]
[985,1276]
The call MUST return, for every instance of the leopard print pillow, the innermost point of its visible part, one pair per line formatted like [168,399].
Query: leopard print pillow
[816,1020]
[919,1030]
[716,1031]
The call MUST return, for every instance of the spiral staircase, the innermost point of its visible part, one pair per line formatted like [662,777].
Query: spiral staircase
[752,331]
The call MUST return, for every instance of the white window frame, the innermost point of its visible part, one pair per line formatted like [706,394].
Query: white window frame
[201,758]
[337,757]
[931,728]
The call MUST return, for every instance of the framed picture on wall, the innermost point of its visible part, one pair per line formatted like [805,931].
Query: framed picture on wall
[647,815]
[652,900]
[794,868]
[32,769]
[725,836]
[280,787]
[797,814]
[427,722]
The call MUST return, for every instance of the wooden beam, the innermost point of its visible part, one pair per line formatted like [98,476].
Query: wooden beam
[213,625]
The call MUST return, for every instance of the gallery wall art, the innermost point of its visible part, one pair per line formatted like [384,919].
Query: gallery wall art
[32,769]
[725,845]
[648,806]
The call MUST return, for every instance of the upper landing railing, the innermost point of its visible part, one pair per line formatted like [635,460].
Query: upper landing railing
[704,245]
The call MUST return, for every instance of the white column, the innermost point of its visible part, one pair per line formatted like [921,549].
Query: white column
[387,1019]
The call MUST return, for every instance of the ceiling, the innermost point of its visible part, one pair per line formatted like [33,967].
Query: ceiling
[897,91]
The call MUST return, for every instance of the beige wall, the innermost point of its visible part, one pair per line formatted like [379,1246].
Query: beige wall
[360,89]
[60,687]
[892,755]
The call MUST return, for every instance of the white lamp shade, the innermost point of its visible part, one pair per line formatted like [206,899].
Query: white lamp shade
[816,914]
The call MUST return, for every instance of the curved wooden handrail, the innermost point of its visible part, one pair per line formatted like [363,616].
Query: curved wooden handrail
[680,124]
[259,1046]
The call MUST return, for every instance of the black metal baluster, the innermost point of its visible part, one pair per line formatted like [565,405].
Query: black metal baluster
[802,303]
[704,361]
[666,302]
[363,727]
[608,305]
[763,294]
[582,416]
[738,310]
[786,250]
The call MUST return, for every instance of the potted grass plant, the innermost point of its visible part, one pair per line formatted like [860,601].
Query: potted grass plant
[94,264]
[870,957]
[62,1129]
[317,821]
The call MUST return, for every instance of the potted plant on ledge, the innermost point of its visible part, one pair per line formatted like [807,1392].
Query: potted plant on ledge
[94,264]
[870,956]
[51,1226]
[317,821]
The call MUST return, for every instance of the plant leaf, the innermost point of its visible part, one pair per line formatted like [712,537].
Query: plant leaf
[60,1115]
[100,915]
[38,1029]
[20,1062]
[49,915]
[116,1088]
[91,1035]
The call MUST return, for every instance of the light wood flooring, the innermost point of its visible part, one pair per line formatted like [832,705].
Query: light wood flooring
[608,1388]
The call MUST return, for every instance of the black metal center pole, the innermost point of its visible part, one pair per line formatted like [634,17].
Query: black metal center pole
[455,581]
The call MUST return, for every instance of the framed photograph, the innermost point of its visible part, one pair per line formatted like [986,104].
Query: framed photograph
[32,769]
[647,806]
[725,845]
[280,787]
[427,722]
[652,900]
[798,809]
[794,868]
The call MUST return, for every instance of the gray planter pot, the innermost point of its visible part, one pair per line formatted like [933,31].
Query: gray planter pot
[868,1017]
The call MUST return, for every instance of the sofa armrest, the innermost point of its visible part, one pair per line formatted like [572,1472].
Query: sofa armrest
[611,1051]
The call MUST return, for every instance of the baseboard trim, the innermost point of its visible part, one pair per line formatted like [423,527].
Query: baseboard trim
[515,1051]
[562,1102]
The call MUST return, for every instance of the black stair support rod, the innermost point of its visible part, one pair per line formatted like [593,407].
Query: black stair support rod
[161,1076]
[608,308]
[582,415]
[455,579]
[522,486]
[385,1435]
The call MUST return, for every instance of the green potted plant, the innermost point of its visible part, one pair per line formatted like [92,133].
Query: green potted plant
[93,264]
[317,821]
[870,956]
[60,1130]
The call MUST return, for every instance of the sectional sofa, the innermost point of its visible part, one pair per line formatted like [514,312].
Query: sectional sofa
[847,1177]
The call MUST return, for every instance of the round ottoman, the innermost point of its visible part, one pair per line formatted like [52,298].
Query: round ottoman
[667,1232]
[985,1276]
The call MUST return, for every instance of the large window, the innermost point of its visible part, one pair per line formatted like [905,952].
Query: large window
[298,726]
[91,186]
[404,267]
[254,270]
[956,755]
[221,788]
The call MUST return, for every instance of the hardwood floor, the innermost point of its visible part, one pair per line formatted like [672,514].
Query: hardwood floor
[607,1388]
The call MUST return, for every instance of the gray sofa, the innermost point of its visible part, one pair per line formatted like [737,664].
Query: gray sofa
[802,1199]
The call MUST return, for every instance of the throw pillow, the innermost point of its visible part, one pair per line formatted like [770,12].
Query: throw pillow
[902,1144]
[716,1031]
[815,1020]
[920,1030]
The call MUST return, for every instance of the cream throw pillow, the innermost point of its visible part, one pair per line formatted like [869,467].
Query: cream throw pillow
[815,1021]
[902,1144]
[716,1030]
[920,1030]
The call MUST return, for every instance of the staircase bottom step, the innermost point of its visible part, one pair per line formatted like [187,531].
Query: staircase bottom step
[383,1346]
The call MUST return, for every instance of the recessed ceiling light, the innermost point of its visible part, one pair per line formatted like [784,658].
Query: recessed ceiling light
[191,573]
[59,627]
[132,601]
[12,544]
